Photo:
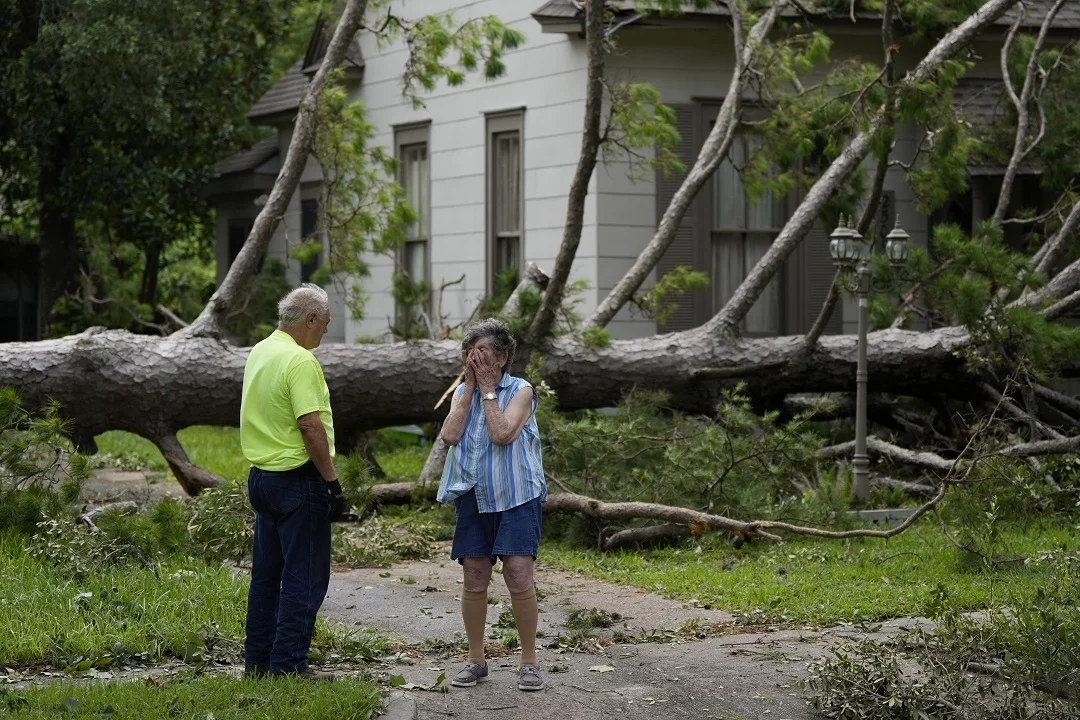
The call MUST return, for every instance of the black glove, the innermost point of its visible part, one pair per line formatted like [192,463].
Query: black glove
[337,500]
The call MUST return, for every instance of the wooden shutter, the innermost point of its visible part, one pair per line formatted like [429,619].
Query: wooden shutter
[683,249]
[809,281]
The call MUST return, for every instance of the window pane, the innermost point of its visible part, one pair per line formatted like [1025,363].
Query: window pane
[727,267]
[761,212]
[729,201]
[414,179]
[764,316]
[416,260]
[506,184]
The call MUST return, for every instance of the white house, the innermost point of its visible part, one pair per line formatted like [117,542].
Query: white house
[488,166]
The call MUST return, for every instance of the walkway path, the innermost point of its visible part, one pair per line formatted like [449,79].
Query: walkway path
[747,673]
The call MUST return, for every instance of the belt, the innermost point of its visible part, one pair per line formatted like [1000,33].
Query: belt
[307,471]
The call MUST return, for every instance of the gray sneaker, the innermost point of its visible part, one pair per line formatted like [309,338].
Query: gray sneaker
[469,674]
[529,678]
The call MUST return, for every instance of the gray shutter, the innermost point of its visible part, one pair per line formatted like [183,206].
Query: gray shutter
[809,283]
[683,250]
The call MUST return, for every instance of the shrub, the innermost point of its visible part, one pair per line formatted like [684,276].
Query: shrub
[40,475]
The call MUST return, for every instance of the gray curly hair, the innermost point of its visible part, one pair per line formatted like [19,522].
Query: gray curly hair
[502,341]
[301,302]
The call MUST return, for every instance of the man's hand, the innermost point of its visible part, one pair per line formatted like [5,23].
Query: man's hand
[337,500]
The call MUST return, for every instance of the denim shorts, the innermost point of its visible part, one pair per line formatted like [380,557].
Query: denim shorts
[493,535]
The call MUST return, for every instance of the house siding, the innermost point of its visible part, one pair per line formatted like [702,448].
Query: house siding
[546,79]
[689,67]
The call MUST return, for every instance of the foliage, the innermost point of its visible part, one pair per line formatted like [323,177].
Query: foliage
[222,524]
[40,477]
[363,210]
[381,541]
[637,120]
[433,38]
[111,112]
[187,695]
[736,463]
[1031,644]
[656,302]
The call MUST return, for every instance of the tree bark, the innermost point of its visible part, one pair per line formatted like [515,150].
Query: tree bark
[1050,254]
[155,386]
[712,154]
[246,264]
[579,187]
[726,322]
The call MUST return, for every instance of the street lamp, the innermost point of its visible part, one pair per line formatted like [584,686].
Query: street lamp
[848,250]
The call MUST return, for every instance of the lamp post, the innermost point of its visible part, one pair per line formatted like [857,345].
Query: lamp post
[849,251]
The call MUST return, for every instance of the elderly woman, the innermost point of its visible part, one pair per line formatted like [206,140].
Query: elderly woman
[495,478]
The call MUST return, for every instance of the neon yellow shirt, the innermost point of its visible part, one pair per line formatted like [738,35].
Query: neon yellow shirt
[282,381]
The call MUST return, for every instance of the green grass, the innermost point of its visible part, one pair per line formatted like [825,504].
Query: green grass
[47,616]
[220,697]
[217,449]
[191,610]
[820,581]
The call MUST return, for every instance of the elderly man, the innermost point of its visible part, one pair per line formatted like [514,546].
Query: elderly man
[495,478]
[287,434]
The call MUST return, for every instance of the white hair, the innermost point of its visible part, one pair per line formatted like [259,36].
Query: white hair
[301,302]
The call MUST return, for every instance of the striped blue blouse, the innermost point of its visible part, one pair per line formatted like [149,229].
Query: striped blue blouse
[504,476]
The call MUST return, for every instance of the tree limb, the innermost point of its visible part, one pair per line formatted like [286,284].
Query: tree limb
[1052,251]
[572,502]
[1021,147]
[243,268]
[727,321]
[579,187]
[715,149]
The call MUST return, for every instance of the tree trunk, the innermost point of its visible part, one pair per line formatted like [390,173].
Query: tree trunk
[248,261]
[149,287]
[155,386]
[58,267]
[579,187]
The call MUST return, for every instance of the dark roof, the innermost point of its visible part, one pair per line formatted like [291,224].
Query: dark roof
[981,101]
[249,159]
[562,11]
[282,97]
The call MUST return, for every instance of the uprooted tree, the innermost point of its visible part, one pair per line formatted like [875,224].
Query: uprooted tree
[992,315]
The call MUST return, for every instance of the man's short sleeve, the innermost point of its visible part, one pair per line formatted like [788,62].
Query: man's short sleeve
[307,388]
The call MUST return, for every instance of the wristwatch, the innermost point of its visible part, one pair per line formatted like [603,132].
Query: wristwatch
[489,396]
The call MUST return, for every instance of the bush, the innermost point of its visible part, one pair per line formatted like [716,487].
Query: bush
[40,476]
[222,525]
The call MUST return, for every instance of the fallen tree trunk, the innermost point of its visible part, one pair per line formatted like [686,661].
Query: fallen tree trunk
[156,386]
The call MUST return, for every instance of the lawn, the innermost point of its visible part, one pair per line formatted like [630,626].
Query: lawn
[821,582]
[187,609]
[218,450]
[220,697]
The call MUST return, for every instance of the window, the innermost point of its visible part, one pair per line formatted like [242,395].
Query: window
[239,229]
[414,175]
[505,196]
[309,227]
[741,232]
